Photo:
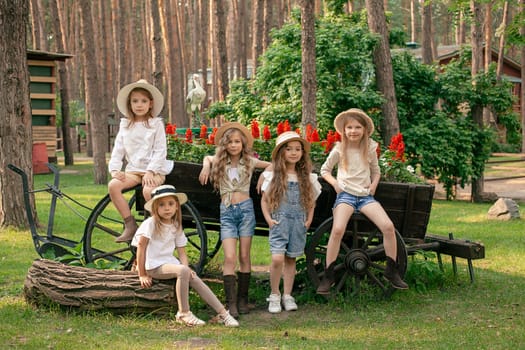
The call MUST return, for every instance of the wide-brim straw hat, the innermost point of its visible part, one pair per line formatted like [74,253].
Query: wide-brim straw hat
[123,94]
[286,137]
[234,125]
[339,122]
[165,191]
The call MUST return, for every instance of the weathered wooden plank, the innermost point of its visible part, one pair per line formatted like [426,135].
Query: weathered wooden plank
[458,247]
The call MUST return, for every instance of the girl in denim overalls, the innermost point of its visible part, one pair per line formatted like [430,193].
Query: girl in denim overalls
[288,203]
[230,170]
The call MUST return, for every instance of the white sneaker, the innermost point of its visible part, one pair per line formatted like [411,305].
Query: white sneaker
[274,305]
[228,320]
[289,303]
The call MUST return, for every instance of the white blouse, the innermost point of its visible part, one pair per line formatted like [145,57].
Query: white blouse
[142,146]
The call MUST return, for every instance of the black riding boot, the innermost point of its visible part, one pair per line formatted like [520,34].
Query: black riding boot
[230,291]
[392,274]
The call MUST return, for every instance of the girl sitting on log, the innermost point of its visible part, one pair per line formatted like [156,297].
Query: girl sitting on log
[156,239]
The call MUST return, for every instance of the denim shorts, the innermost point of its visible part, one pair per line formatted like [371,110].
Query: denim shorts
[357,202]
[237,220]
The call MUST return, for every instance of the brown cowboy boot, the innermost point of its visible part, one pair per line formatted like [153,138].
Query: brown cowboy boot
[392,274]
[327,281]
[130,227]
[242,291]
[230,291]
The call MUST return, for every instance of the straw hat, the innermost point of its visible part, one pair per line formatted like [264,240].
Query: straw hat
[123,94]
[340,120]
[286,137]
[234,125]
[165,191]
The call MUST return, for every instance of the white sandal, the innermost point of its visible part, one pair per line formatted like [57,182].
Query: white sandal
[228,320]
[189,319]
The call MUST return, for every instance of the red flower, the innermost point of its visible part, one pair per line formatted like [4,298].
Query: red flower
[189,136]
[280,128]
[204,132]
[267,135]
[286,126]
[171,129]
[255,129]
[330,140]
[315,136]
[211,137]
[398,146]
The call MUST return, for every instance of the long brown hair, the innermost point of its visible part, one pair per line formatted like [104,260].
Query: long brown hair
[132,115]
[176,219]
[218,171]
[279,183]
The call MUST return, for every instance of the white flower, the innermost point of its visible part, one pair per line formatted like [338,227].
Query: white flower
[411,169]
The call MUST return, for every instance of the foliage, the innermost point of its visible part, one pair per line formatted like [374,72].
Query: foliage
[344,72]
[423,272]
[394,165]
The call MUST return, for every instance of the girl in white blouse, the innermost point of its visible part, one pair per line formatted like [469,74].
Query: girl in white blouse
[141,141]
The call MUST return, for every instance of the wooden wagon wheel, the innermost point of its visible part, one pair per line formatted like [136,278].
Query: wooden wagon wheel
[105,223]
[361,261]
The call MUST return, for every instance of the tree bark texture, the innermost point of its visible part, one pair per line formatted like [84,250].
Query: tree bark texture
[83,289]
[15,111]
[383,69]
[309,84]
[220,10]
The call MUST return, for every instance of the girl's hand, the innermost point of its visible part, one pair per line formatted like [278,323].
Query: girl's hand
[204,175]
[145,281]
[337,188]
[149,180]
[193,274]
[272,222]
[307,224]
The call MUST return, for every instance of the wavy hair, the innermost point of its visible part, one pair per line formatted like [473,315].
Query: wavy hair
[218,171]
[279,184]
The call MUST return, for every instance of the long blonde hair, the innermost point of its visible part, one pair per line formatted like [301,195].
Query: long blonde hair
[360,117]
[218,171]
[131,115]
[279,184]
[176,219]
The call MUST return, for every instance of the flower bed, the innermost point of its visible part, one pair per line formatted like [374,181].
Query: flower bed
[193,147]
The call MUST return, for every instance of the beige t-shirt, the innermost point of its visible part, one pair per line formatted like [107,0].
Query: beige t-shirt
[356,179]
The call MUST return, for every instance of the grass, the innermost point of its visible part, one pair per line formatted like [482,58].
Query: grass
[485,315]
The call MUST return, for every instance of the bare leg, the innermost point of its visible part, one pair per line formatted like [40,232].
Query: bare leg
[245,246]
[342,214]
[276,269]
[288,274]
[229,246]
[376,214]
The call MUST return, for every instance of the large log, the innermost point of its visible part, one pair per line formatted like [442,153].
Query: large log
[52,283]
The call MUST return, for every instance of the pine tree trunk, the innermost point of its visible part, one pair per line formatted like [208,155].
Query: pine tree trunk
[51,283]
[309,83]
[15,111]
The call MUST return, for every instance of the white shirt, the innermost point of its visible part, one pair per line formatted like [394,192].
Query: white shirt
[143,147]
[316,186]
[161,245]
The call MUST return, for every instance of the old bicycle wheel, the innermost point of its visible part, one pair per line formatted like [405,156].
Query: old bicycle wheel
[105,224]
[361,260]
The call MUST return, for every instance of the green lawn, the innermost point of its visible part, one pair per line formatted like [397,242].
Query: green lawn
[458,315]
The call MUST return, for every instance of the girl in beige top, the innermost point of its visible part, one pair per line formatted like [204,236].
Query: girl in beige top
[356,182]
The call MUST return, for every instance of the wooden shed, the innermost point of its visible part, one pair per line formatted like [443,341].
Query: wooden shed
[43,85]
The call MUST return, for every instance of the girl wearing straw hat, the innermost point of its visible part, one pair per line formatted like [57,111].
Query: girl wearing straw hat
[141,141]
[358,175]
[156,239]
[230,170]
[288,203]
